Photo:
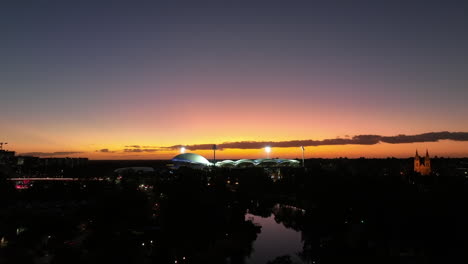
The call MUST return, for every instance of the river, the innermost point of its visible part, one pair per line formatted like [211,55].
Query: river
[274,240]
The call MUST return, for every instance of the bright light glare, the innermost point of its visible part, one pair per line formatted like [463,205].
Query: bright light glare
[267,149]
[182,150]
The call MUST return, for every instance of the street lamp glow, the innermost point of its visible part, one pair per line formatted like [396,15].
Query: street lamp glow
[182,150]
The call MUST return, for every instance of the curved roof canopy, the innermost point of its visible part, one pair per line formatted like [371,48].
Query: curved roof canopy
[197,161]
[266,162]
[226,164]
[244,163]
[191,158]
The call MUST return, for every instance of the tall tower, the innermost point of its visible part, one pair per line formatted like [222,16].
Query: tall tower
[214,154]
[427,161]
[417,161]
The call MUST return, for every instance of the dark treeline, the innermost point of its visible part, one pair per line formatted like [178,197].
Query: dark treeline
[347,210]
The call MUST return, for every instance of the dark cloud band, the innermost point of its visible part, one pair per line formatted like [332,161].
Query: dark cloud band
[49,154]
[356,140]
[141,150]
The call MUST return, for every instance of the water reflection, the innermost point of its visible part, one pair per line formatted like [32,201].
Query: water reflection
[277,237]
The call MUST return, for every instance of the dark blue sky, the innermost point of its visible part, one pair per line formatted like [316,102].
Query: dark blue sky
[386,63]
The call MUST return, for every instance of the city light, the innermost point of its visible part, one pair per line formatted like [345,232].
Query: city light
[194,95]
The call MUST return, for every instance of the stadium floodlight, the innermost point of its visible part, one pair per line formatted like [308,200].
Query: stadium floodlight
[268,150]
[182,150]
[302,147]
[214,154]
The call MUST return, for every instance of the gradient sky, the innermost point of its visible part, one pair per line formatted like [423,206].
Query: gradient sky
[81,76]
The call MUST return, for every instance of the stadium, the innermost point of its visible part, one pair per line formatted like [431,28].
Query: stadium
[193,160]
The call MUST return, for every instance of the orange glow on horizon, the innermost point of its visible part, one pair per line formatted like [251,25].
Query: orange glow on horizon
[445,148]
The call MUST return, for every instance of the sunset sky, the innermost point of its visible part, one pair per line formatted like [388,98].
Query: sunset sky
[94,78]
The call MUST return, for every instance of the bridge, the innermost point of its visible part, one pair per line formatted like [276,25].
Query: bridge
[55,179]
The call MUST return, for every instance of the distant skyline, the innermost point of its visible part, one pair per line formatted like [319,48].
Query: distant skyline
[78,77]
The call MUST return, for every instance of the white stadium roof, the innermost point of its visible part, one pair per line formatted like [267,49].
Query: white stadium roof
[197,161]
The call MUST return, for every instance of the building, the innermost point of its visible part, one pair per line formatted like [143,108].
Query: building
[64,162]
[422,166]
[190,160]
[196,161]
[7,157]
[134,170]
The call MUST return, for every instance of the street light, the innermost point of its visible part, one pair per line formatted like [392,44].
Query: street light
[182,150]
[268,150]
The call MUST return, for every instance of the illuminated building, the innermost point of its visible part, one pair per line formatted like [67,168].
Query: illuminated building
[424,168]
[197,161]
